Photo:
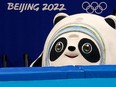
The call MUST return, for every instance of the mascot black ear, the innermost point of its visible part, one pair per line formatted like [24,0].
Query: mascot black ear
[37,62]
[111,20]
[59,17]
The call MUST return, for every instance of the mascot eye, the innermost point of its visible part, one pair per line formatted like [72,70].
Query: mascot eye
[87,48]
[59,46]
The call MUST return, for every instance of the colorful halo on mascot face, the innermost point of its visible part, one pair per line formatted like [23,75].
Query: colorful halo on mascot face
[83,28]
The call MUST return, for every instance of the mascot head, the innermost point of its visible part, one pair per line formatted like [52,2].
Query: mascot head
[80,39]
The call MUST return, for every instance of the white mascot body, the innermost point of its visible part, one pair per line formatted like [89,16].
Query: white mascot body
[80,39]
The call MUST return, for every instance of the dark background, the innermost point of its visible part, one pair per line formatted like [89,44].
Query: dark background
[26,32]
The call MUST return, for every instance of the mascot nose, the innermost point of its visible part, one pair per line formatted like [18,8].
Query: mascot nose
[71,48]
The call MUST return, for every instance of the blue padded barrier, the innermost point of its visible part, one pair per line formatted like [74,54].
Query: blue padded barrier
[46,73]
[53,73]
[103,71]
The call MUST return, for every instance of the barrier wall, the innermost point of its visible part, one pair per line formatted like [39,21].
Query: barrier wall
[69,76]
[54,73]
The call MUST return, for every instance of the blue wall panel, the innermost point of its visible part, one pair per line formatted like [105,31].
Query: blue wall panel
[96,82]
[54,73]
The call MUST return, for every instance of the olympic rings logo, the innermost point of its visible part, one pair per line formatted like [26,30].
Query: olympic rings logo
[94,7]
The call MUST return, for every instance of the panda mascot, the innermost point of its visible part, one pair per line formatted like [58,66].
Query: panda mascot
[80,39]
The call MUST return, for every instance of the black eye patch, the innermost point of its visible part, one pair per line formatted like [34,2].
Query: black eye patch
[58,48]
[89,50]
[110,22]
